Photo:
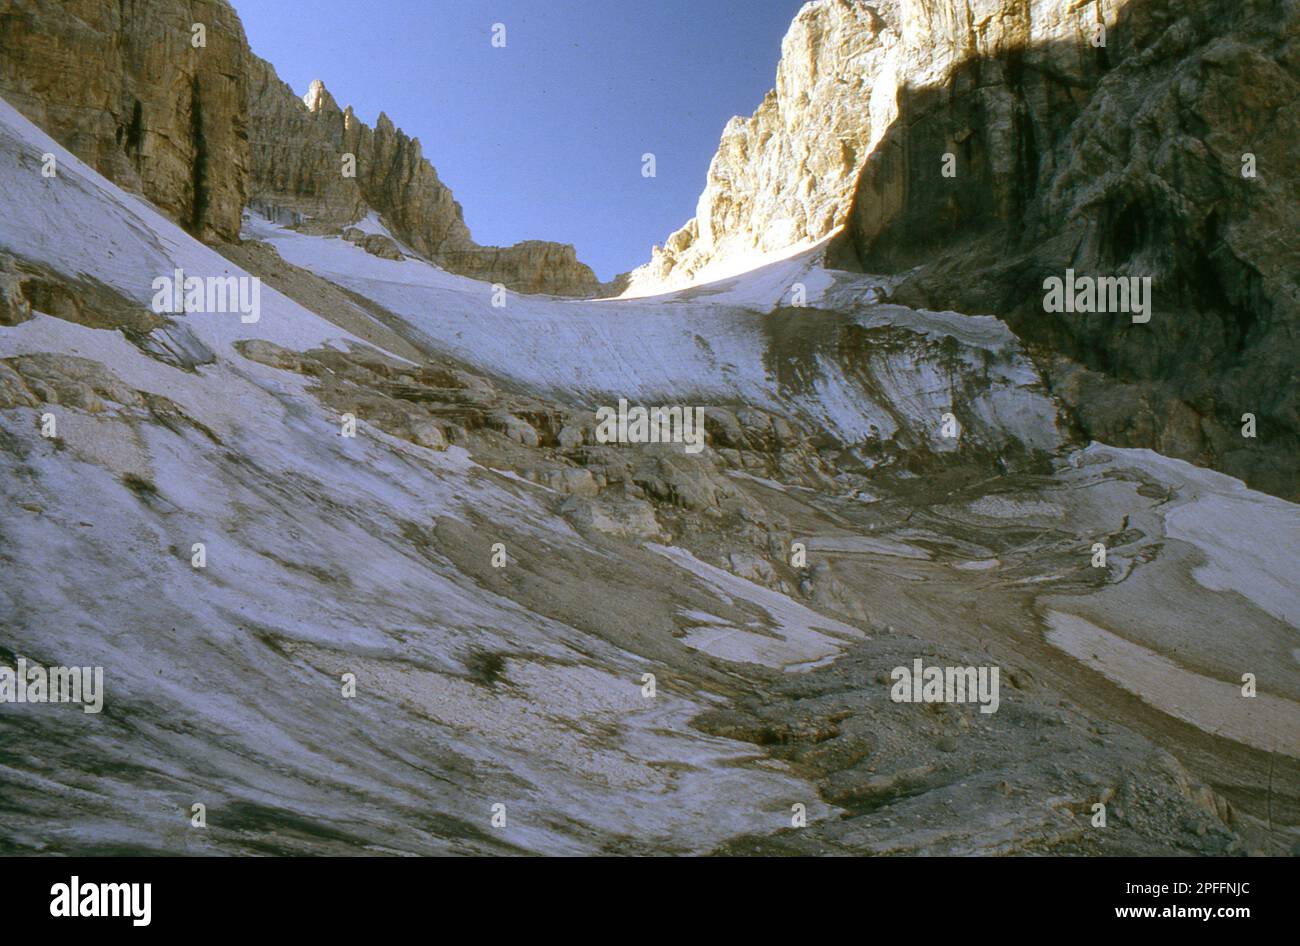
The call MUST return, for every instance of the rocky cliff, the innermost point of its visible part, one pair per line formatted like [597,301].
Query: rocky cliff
[786,174]
[974,149]
[300,147]
[1169,153]
[125,87]
[202,127]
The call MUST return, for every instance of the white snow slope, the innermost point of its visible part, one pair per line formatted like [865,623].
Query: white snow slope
[224,684]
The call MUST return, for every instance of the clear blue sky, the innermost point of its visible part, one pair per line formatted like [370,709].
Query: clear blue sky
[543,139]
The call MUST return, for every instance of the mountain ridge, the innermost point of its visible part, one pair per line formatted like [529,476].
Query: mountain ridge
[203,131]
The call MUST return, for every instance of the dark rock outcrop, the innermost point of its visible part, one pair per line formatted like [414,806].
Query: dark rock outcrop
[1122,160]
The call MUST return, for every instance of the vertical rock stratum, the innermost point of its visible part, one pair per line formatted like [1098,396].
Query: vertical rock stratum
[123,87]
[1148,138]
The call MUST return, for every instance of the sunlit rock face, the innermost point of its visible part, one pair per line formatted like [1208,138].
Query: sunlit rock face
[785,175]
[126,88]
[299,150]
[848,71]
[531,266]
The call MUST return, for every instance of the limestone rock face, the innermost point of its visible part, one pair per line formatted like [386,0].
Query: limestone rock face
[299,148]
[122,86]
[785,175]
[528,266]
[790,173]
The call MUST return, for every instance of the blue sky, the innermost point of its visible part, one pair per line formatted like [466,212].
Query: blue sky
[543,139]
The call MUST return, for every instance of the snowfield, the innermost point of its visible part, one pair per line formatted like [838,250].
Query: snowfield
[525,686]
[709,343]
